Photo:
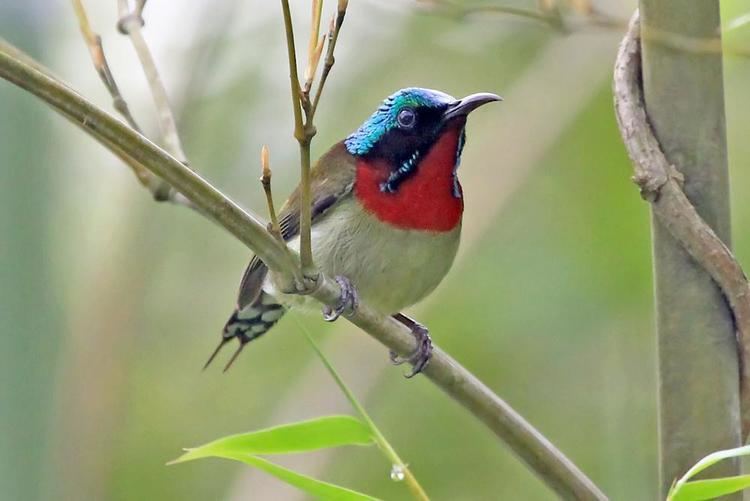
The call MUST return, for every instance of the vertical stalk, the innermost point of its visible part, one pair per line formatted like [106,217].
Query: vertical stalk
[698,358]
[303,137]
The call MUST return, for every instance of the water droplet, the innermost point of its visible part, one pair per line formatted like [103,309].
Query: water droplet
[397,473]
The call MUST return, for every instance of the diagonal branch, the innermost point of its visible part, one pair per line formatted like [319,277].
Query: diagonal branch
[661,185]
[556,470]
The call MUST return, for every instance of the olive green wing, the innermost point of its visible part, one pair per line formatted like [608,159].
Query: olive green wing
[331,180]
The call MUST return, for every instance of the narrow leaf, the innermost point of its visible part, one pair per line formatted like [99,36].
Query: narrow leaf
[714,458]
[704,463]
[313,487]
[320,433]
[709,489]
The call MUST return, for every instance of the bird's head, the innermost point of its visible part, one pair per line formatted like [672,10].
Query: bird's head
[407,155]
[406,126]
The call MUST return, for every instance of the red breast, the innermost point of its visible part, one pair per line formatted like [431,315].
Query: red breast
[425,200]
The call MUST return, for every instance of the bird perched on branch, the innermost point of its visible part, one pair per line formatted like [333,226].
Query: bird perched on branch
[386,217]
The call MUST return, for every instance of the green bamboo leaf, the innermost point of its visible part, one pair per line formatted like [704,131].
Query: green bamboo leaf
[697,490]
[313,487]
[319,433]
[701,465]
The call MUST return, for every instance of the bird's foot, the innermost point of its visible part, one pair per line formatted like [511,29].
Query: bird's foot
[422,354]
[347,303]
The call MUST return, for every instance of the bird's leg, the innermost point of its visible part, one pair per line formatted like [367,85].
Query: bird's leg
[347,303]
[421,356]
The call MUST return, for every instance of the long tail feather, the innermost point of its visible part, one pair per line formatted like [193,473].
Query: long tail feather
[224,340]
[234,356]
[249,323]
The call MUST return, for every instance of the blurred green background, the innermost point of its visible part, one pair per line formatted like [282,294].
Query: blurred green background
[110,304]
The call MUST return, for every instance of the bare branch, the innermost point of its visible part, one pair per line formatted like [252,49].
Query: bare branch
[304,135]
[557,471]
[313,51]
[130,24]
[661,185]
[333,37]
[265,180]
[94,44]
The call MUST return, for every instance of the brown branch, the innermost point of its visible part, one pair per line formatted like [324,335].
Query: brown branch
[661,185]
[333,37]
[313,52]
[265,180]
[94,43]
[556,470]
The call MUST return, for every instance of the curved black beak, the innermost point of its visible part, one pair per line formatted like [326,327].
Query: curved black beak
[464,106]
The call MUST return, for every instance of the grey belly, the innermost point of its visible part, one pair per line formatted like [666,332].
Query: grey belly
[391,268]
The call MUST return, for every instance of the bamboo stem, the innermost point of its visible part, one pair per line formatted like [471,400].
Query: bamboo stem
[699,410]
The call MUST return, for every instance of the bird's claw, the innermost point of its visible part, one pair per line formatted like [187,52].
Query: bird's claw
[348,301]
[420,357]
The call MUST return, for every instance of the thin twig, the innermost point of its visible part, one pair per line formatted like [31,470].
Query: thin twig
[313,53]
[304,136]
[94,44]
[139,6]
[661,185]
[333,37]
[160,190]
[265,180]
[556,470]
[130,23]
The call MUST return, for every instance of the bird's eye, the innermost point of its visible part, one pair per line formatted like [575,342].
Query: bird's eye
[407,118]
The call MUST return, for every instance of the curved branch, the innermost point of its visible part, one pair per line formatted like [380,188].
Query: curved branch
[556,470]
[661,185]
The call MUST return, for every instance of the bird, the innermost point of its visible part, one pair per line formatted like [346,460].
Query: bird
[387,208]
